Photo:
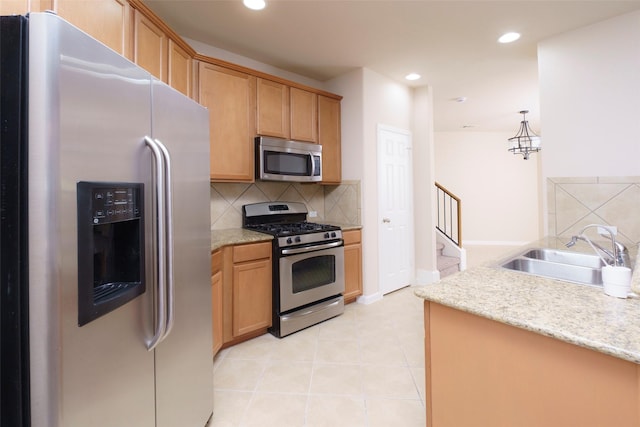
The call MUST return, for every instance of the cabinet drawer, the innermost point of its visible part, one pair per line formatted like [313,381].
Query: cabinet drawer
[352,236]
[252,251]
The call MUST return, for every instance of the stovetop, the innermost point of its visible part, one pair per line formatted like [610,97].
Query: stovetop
[287,222]
[291,229]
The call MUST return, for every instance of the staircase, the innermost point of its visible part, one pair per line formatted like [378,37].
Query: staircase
[447,265]
[451,257]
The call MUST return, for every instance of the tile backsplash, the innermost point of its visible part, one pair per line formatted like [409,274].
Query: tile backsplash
[332,203]
[576,202]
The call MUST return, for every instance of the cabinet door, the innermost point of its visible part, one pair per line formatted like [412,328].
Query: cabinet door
[273,109]
[150,46]
[329,138]
[352,265]
[230,97]
[251,296]
[304,115]
[105,20]
[216,305]
[180,68]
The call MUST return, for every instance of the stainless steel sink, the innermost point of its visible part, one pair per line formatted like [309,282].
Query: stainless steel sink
[565,257]
[568,266]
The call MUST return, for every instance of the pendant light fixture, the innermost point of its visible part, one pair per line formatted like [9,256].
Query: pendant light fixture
[525,141]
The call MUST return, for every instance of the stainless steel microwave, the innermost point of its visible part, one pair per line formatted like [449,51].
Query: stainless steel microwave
[282,160]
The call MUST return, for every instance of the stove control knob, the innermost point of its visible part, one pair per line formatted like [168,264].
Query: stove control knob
[289,241]
[326,235]
[333,234]
[298,239]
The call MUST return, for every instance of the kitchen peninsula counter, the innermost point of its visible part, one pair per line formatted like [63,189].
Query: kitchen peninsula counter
[577,314]
[517,349]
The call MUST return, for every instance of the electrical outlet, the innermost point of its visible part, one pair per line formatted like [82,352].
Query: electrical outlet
[313,214]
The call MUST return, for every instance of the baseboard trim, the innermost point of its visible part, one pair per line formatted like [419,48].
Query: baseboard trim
[369,299]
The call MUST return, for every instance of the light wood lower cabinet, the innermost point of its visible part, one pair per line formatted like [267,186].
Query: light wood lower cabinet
[216,299]
[480,372]
[244,301]
[352,265]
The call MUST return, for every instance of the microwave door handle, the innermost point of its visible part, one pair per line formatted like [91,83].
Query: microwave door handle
[160,309]
[313,164]
[168,238]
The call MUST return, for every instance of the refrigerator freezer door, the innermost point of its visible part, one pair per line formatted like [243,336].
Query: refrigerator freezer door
[89,111]
[184,360]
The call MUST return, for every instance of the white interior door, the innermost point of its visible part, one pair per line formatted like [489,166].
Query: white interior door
[395,209]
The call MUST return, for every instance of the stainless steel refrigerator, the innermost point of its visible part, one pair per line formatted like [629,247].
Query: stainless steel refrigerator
[105,291]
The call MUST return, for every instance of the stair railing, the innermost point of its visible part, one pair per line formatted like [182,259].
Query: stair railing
[449,214]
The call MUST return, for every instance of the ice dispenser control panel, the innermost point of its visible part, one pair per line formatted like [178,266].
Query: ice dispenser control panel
[114,204]
[111,256]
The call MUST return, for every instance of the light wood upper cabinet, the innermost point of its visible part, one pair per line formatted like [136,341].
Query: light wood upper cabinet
[230,97]
[329,130]
[352,265]
[106,20]
[150,46]
[286,112]
[156,52]
[21,7]
[304,115]
[273,109]
[180,68]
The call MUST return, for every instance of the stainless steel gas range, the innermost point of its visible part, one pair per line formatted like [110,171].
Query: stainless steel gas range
[308,265]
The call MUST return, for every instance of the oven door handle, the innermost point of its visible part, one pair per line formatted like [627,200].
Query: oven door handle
[311,248]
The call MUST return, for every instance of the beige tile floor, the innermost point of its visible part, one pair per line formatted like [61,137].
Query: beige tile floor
[364,368]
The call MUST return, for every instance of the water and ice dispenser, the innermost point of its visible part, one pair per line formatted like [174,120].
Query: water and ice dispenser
[110,246]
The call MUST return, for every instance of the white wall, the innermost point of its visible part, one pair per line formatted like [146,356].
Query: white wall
[499,190]
[224,55]
[423,188]
[590,100]
[369,99]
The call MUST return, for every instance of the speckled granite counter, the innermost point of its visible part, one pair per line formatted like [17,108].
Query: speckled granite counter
[577,314]
[237,236]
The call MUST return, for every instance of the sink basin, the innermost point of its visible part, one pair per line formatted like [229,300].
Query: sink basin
[565,257]
[568,266]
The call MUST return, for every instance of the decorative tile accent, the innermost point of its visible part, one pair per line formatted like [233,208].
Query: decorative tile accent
[576,202]
[334,203]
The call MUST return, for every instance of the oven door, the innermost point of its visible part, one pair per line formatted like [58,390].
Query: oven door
[309,274]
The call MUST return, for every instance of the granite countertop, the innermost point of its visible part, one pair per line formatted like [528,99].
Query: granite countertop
[238,236]
[577,314]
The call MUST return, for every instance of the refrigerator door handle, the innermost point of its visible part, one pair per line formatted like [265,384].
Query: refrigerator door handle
[168,210]
[161,304]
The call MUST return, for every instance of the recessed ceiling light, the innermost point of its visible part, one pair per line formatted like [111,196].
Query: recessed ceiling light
[254,4]
[509,37]
[412,76]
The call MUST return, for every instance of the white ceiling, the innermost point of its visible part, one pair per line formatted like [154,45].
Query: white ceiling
[451,43]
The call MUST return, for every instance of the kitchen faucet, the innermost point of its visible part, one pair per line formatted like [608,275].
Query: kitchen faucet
[619,255]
